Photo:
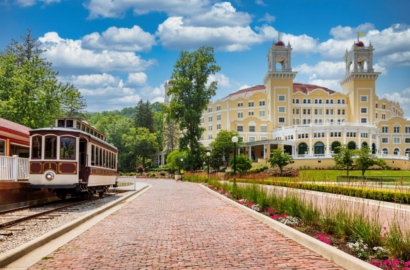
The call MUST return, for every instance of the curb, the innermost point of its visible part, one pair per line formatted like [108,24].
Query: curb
[329,252]
[18,252]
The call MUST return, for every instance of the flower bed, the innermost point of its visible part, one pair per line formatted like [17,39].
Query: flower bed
[357,235]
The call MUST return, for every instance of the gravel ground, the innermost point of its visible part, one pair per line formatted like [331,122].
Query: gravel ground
[34,228]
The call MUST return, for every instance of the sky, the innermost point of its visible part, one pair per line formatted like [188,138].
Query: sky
[117,52]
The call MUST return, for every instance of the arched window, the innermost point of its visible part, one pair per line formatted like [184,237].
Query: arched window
[320,101]
[67,148]
[343,101]
[351,146]
[364,144]
[308,101]
[373,148]
[331,101]
[36,147]
[396,151]
[327,101]
[385,151]
[302,149]
[407,152]
[335,146]
[338,101]
[319,148]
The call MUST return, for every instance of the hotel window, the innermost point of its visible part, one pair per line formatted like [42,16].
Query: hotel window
[396,130]
[363,110]
[385,129]
[343,101]
[209,136]
[364,135]
[351,134]
[331,111]
[281,120]
[296,101]
[239,128]
[281,109]
[407,129]
[251,139]
[251,128]
[343,112]
[296,121]
[250,104]
[218,117]
[406,140]
[363,98]
[209,118]
[240,104]
[383,106]
[240,114]
[308,111]
[338,112]
[376,105]
[319,135]
[210,128]
[202,137]
[261,102]
[250,113]
[335,134]
[331,101]
[383,116]
[218,108]
[327,101]
[202,120]
[327,111]
[209,109]
[295,111]
[218,126]
[377,115]
[363,120]
[396,140]
[281,98]
[264,129]
[261,113]
[385,140]
[264,138]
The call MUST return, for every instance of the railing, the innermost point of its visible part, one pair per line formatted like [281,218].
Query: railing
[316,156]
[352,124]
[14,168]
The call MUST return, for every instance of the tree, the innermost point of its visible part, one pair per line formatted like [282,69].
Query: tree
[174,159]
[159,127]
[279,159]
[243,163]
[222,146]
[191,97]
[74,105]
[365,159]
[144,116]
[27,49]
[171,134]
[344,159]
[31,94]
[141,143]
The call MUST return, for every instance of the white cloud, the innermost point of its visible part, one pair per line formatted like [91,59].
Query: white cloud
[323,69]
[267,18]
[260,2]
[120,39]
[348,32]
[223,81]
[117,8]
[28,3]
[243,87]
[136,79]
[69,57]
[221,14]
[403,98]
[331,84]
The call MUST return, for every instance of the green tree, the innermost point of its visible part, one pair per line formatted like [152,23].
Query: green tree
[159,127]
[144,116]
[365,159]
[190,97]
[30,94]
[243,163]
[171,134]
[279,159]
[344,159]
[141,143]
[174,160]
[222,146]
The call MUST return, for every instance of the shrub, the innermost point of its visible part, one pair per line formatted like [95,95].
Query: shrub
[140,169]
[152,175]
[162,173]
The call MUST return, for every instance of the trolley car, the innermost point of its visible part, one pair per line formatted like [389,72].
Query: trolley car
[72,158]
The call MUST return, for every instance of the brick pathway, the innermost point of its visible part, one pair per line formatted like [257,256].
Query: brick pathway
[179,225]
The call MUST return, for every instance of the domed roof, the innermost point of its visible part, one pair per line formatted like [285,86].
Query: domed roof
[280,43]
[359,44]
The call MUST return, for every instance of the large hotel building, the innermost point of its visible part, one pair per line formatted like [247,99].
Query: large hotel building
[311,121]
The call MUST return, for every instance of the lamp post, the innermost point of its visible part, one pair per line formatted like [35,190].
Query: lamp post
[204,165]
[208,154]
[234,140]
[180,168]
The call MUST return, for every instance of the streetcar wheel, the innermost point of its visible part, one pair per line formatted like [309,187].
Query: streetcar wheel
[101,194]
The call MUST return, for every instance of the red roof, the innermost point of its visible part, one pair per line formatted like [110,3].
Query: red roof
[14,126]
[280,43]
[297,87]
[359,44]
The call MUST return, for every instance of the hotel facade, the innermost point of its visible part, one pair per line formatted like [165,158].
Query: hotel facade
[311,121]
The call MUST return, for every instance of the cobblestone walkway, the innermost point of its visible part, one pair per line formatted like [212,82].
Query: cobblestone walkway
[179,225]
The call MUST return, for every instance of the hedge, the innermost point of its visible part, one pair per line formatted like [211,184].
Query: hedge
[367,193]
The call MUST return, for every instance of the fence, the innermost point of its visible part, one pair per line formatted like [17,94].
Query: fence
[386,180]
[14,168]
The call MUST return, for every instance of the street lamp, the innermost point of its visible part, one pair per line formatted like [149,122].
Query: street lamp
[204,165]
[234,140]
[208,154]
[180,168]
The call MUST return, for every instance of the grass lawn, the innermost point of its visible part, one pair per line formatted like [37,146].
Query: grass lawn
[331,175]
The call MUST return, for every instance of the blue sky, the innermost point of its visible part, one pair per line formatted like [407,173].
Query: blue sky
[119,51]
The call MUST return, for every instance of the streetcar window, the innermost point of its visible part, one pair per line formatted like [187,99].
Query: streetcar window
[60,123]
[96,156]
[100,163]
[36,147]
[92,155]
[115,162]
[105,158]
[109,160]
[83,128]
[67,148]
[51,147]
[2,148]
[78,124]
[69,123]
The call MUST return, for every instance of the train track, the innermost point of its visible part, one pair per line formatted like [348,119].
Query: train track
[16,221]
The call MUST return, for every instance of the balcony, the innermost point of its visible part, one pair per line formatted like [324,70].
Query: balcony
[329,156]
[326,124]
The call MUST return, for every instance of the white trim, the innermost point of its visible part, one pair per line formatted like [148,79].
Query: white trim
[397,142]
[279,107]
[279,96]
